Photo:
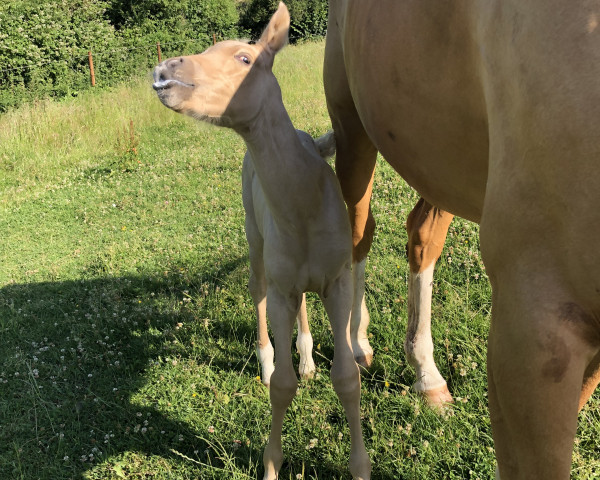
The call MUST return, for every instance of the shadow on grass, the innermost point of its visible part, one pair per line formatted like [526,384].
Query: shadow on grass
[73,354]
[92,378]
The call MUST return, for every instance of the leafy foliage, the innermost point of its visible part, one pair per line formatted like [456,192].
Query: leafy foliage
[54,37]
[44,45]
[308,17]
[169,20]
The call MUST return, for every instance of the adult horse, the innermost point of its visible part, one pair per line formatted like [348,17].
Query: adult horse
[490,111]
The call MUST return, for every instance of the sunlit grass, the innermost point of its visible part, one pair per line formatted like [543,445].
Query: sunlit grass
[127,332]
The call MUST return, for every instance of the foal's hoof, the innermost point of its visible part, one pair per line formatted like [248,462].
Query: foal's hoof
[307,375]
[266,379]
[438,398]
[307,369]
[365,360]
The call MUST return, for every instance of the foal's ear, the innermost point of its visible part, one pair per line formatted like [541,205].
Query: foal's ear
[275,36]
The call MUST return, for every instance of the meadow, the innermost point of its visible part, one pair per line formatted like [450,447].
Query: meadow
[127,334]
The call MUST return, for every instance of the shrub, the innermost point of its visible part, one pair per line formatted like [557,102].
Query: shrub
[177,19]
[308,17]
[44,44]
[181,27]
[55,35]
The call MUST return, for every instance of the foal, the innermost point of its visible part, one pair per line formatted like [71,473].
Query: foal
[296,222]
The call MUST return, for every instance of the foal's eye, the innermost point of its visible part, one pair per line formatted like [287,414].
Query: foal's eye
[244,58]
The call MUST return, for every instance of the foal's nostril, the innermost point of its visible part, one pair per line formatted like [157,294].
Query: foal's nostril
[157,72]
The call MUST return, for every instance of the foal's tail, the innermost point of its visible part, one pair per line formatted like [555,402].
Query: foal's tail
[326,144]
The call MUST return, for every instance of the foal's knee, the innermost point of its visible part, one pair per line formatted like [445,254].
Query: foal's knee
[345,378]
[283,386]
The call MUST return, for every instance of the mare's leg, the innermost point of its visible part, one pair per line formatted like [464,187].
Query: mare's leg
[590,380]
[541,343]
[355,166]
[427,227]
[345,376]
[282,309]
[304,343]
[536,361]
[539,222]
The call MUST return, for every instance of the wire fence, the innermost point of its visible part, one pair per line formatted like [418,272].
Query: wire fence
[158,46]
[22,83]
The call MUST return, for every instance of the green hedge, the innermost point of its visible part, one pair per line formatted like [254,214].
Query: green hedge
[54,42]
[308,17]
[44,44]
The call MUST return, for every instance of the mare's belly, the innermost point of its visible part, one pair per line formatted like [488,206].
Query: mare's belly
[413,73]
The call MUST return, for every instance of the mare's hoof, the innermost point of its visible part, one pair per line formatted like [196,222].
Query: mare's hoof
[364,361]
[439,398]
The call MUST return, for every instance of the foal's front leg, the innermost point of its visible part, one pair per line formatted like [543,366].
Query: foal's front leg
[282,310]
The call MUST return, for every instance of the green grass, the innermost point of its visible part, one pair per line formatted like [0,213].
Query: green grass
[127,332]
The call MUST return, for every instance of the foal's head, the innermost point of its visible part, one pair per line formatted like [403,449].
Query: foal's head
[228,83]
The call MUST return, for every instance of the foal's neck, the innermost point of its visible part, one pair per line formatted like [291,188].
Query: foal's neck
[281,162]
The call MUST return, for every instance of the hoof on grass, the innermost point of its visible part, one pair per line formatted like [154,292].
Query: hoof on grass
[307,375]
[364,361]
[438,399]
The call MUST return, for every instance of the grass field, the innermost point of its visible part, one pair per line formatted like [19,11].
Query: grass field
[127,332]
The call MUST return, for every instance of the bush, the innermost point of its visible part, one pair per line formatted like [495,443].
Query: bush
[308,17]
[44,44]
[181,27]
[177,19]
[55,36]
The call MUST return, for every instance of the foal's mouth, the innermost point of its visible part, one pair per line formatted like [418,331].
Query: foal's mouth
[162,85]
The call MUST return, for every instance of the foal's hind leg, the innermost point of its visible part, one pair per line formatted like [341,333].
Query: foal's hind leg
[258,291]
[427,227]
[359,322]
[344,371]
[282,312]
[304,343]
